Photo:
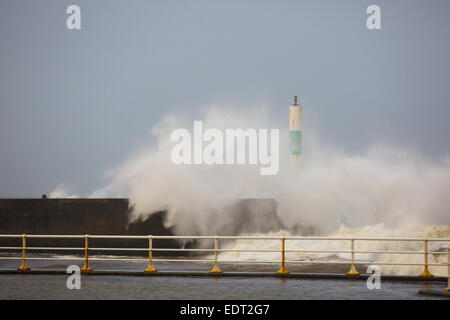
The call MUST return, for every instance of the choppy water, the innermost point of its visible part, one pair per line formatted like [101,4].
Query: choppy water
[131,287]
[23,286]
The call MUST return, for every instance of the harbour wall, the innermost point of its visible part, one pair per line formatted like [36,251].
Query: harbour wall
[112,216]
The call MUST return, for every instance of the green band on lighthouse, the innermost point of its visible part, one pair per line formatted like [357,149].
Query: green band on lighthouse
[295,142]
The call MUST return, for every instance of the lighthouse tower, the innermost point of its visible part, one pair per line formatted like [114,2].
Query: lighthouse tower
[295,127]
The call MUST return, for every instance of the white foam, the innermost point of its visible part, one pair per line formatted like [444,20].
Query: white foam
[375,231]
[385,190]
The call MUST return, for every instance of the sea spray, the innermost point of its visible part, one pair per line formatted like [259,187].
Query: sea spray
[381,192]
[374,231]
[385,184]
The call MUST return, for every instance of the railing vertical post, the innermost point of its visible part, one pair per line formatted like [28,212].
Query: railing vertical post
[426,272]
[150,267]
[24,266]
[216,268]
[283,269]
[86,266]
[352,271]
[448,266]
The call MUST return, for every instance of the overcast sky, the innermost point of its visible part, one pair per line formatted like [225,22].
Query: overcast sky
[75,103]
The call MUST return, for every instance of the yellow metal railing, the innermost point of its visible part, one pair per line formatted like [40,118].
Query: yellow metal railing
[283,269]
[216,269]
[352,271]
[24,266]
[448,264]
[216,250]
[86,254]
[150,267]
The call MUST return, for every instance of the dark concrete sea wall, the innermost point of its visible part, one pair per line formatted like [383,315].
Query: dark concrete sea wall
[79,216]
[112,217]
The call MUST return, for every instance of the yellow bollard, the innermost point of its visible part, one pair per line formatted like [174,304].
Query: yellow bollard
[448,266]
[86,254]
[24,266]
[216,268]
[426,272]
[150,267]
[353,271]
[283,269]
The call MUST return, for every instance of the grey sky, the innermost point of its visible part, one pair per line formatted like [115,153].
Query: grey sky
[75,103]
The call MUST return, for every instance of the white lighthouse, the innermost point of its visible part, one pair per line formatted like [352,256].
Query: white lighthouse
[295,133]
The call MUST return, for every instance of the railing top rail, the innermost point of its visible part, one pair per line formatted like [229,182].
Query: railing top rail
[353,270]
[368,238]
[64,236]
[96,236]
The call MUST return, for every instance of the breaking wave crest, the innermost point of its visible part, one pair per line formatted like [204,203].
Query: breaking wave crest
[374,231]
[383,191]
